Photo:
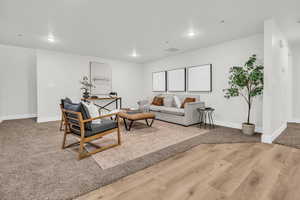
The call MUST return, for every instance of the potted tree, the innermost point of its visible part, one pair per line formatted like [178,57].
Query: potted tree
[246,81]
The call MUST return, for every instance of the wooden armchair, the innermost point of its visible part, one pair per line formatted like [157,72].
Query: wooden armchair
[76,125]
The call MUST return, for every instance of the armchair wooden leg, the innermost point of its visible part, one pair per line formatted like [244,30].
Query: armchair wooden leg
[62,122]
[81,154]
[119,136]
[64,138]
[64,141]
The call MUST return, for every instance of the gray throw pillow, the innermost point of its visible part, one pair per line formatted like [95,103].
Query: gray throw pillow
[168,101]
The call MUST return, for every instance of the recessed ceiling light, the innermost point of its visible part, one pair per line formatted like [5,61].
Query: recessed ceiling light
[51,38]
[134,54]
[191,34]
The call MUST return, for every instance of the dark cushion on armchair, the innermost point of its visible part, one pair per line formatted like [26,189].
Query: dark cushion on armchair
[105,125]
[68,100]
[78,108]
[72,107]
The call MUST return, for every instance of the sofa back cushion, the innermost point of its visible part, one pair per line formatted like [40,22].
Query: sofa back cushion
[177,101]
[158,101]
[184,96]
[181,96]
[187,100]
[169,101]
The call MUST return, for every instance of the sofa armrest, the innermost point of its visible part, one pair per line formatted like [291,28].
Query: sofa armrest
[193,106]
[144,105]
[143,102]
[190,111]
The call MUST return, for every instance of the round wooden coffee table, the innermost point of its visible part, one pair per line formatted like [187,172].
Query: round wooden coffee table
[135,115]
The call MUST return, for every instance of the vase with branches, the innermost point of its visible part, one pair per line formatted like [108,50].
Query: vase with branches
[85,86]
[248,82]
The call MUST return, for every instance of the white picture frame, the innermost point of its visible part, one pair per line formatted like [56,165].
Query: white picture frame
[159,81]
[199,78]
[176,80]
[100,78]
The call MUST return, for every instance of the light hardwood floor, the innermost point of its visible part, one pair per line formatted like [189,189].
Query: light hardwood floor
[224,171]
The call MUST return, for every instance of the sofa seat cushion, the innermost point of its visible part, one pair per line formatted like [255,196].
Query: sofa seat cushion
[172,110]
[105,125]
[155,108]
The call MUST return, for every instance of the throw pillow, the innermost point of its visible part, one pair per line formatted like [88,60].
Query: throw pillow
[168,101]
[177,102]
[158,101]
[93,111]
[187,100]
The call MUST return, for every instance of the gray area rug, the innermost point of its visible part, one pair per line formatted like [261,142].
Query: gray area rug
[33,165]
[290,136]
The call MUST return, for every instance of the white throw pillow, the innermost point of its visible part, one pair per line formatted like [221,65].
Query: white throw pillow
[94,112]
[177,101]
[169,101]
[106,112]
[114,112]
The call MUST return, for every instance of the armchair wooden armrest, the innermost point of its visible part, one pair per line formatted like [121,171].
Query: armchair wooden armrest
[100,117]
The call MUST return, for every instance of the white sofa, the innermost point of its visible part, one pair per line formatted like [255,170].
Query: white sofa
[169,112]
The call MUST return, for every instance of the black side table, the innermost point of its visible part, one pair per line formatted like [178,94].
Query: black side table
[206,114]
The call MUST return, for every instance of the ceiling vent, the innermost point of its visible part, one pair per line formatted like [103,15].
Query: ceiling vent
[172,50]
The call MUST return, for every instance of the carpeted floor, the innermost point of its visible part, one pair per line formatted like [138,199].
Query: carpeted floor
[33,165]
[290,136]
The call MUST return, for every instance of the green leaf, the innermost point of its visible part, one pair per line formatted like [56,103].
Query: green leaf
[248,79]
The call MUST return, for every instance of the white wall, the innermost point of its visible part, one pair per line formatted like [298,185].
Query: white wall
[17,82]
[58,76]
[296,83]
[276,76]
[232,112]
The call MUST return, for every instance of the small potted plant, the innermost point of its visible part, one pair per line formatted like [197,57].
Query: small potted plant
[246,81]
[86,86]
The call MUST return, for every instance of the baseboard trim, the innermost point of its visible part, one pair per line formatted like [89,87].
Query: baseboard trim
[48,119]
[21,116]
[294,121]
[236,125]
[270,138]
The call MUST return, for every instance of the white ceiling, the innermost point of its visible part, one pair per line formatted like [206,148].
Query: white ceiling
[113,28]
